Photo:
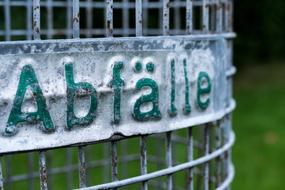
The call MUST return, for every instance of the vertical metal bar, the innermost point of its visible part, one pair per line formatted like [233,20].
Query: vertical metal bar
[29,20]
[109,33]
[69,165]
[218,160]
[109,18]
[49,18]
[106,157]
[36,19]
[205,16]
[87,165]
[213,16]
[81,153]
[125,17]
[69,18]
[89,15]
[189,16]
[230,18]
[139,18]
[160,19]
[31,170]
[227,126]
[43,171]
[145,17]
[1,174]
[227,153]
[229,159]
[226,15]
[169,159]
[190,184]
[177,17]
[49,170]
[76,19]
[165,17]
[7,20]
[114,160]
[207,150]
[159,151]
[143,160]
[219,18]
[228,118]
[82,167]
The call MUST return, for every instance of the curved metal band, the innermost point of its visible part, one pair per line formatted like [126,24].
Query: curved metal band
[230,72]
[229,179]
[171,170]
[228,35]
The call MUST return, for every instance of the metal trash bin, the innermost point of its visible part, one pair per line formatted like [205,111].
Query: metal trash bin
[154,76]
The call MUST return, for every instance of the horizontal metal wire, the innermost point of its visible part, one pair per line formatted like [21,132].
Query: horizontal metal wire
[119,5]
[169,170]
[118,31]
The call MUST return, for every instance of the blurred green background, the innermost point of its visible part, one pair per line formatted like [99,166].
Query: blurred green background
[259,120]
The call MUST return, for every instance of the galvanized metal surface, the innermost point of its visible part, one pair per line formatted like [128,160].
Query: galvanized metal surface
[206,22]
[94,63]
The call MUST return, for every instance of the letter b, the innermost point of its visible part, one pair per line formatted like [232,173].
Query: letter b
[74,89]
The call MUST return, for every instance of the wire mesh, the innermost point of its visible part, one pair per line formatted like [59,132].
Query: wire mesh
[198,157]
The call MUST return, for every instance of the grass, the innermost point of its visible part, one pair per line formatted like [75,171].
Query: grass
[259,123]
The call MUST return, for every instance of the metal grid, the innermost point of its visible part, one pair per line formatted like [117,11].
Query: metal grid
[198,157]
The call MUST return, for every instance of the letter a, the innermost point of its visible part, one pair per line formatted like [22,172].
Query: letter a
[153,97]
[28,79]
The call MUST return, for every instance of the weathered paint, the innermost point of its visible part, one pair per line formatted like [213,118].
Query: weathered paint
[74,89]
[119,86]
[206,90]
[187,107]
[16,116]
[152,97]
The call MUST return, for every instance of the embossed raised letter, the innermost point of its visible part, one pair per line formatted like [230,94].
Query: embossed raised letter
[74,89]
[153,97]
[28,79]
[204,87]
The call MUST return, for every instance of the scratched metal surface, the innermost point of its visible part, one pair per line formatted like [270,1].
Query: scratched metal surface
[93,61]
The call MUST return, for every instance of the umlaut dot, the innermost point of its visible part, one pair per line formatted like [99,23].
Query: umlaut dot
[150,67]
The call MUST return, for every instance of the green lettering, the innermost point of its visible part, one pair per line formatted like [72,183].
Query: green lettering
[153,97]
[203,89]
[117,83]
[28,79]
[172,110]
[150,67]
[138,67]
[187,107]
[74,89]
